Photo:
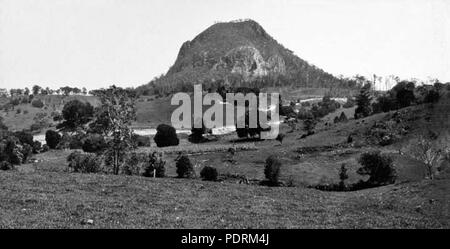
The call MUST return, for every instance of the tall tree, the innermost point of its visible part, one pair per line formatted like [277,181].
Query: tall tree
[36,89]
[363,102]
[118,111]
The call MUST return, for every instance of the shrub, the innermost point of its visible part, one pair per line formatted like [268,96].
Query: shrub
[378,167]
[4,165]
[196,135]
[11,150]
[37,147]
[24,137]
[272,170]
[306,104]
[209,173]
[286,110]
[166,136]
[342,176]
[52,138]
[84,162]
[154,166]
[26,151]
[45,148]
[141,141]
[64,142]
[15,102]
[93,143]
[76,142]
[432,96]
[309,124]
[350,103]
[131,164]
[185,169]
[37,103]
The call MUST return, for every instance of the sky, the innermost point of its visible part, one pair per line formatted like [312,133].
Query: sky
[97,43]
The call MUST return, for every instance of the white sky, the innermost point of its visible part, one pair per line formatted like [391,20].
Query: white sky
[96,43]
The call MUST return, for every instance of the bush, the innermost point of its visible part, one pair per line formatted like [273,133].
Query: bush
[14,102]
[272,170]
[196,135]
[26,151]
[154,166]
[37,147]
[52,138]
[93,143]
[432,96]
[141,141]
[185,169]
[24,137]
[166,136]
[350,103]
[37,103]
[76,141]
[209,173]
[4,165]
[342,177]
[378,167]
[11,150]
[45,148]
[131,164]
[84,162]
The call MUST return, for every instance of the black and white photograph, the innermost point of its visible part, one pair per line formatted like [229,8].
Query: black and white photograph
[213,114]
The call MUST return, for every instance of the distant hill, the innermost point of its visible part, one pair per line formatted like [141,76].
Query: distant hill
[239,53]
[24,115]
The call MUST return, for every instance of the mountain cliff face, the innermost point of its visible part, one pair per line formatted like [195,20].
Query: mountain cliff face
[238,52]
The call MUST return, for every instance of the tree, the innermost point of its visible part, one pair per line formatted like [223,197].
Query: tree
[36,89]
[363,102]
[309,123]
[272,170]
[404,93]
[75,114]
[66,90]
[427,151]
[52,138]
[101,123]
[342,176]
[76,90]
[185,169]
[154,166]
[120,111]
[378,167]
[26,91]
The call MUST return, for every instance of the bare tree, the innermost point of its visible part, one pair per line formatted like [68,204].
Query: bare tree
[428,151]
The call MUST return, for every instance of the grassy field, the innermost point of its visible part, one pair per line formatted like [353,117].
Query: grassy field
[42,199]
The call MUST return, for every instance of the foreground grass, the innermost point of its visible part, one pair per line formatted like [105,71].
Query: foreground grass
[42,199]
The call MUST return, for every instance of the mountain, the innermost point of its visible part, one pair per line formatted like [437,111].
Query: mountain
[240,53]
